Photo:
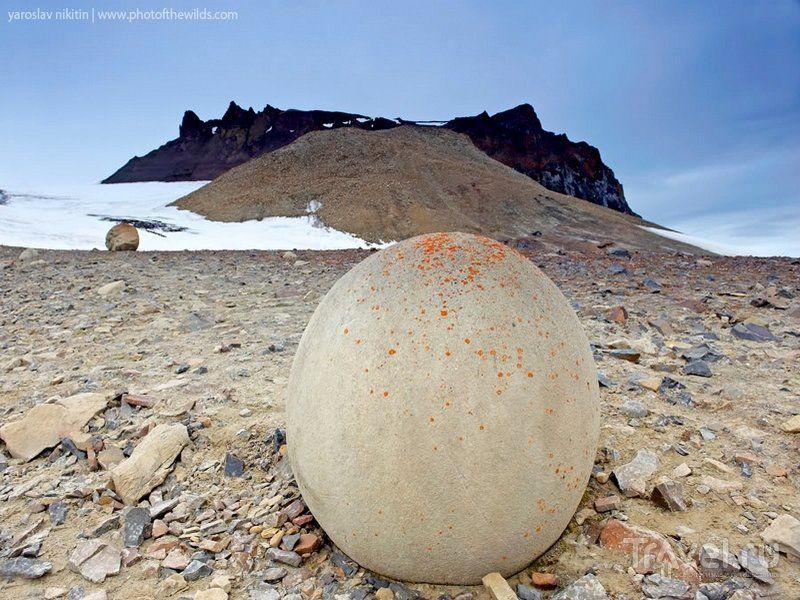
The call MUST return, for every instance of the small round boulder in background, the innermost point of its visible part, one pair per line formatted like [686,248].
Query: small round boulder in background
[443,411]
[122,236]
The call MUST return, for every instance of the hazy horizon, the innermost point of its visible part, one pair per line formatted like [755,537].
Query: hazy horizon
[691,105]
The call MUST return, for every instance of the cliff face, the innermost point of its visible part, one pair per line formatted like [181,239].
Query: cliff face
[206,149]
[516,138]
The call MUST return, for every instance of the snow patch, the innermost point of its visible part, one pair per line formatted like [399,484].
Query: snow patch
[78,217]
[694,241]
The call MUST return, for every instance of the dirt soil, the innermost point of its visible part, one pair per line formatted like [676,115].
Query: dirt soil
[209,338]
[397,183]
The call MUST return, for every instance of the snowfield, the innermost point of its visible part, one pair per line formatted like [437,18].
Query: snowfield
[77,218]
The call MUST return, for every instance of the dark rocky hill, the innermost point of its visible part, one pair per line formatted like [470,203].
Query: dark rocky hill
[206,149]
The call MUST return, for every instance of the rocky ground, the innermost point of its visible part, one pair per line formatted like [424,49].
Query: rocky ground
[141,404]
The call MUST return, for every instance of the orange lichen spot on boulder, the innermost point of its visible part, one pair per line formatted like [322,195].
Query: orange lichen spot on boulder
[392,352]
[481,427]
[385,394]
[443,312]
[553,376]
[466,340]
[346,331]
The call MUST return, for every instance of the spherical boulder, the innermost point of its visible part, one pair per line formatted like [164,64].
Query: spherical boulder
[442,411]
[122,236]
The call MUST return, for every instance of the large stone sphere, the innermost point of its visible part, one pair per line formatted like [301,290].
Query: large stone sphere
[442,411]
[122,237]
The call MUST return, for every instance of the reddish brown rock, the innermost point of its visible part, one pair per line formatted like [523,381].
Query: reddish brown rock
[544,580]
[307,543]
[618,315]
[648,549]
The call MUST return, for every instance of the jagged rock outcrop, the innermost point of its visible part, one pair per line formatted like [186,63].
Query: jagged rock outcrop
[206,149]
[516,138]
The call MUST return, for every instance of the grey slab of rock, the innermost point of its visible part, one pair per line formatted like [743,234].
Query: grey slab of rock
[752,332]
[634,409]
[699,368]
[159,508]
[274,574]
[714,561]
[234,467]
[656,586]
[288,542]
[585,588]
[25,568]
[110,523]
[631,478]
[263,592]
[784,533]
[403,592]
[528,592]
[345,563]
[196,322]
[196,570]
[57,512]
[286,557]
[669,496]
[755,564]
[136,527]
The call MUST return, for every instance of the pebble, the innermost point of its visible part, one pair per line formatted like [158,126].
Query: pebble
[634,409]
[196,570]
[700,368]
[605,504]
[57,511]
[527,592]
[274,574]
[286,557]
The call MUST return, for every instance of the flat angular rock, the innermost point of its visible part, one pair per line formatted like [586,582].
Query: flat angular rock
[528,592]
[274,574]
[755,564]
[656,586]
[45,425]
[498,587]
[634,409]
[585,588]
[699,368]
[752,332]
[648,548]
[57,512]
[234,467]
[784,532]
[111,289]
[669,496]
[286,557]
[715,562]
[607,503]
[95,560]
[24,568]
[195,570]
[150,462]
[136,526]
[792,425]
[631,478]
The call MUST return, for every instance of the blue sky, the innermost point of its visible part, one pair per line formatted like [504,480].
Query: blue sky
[695,105]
